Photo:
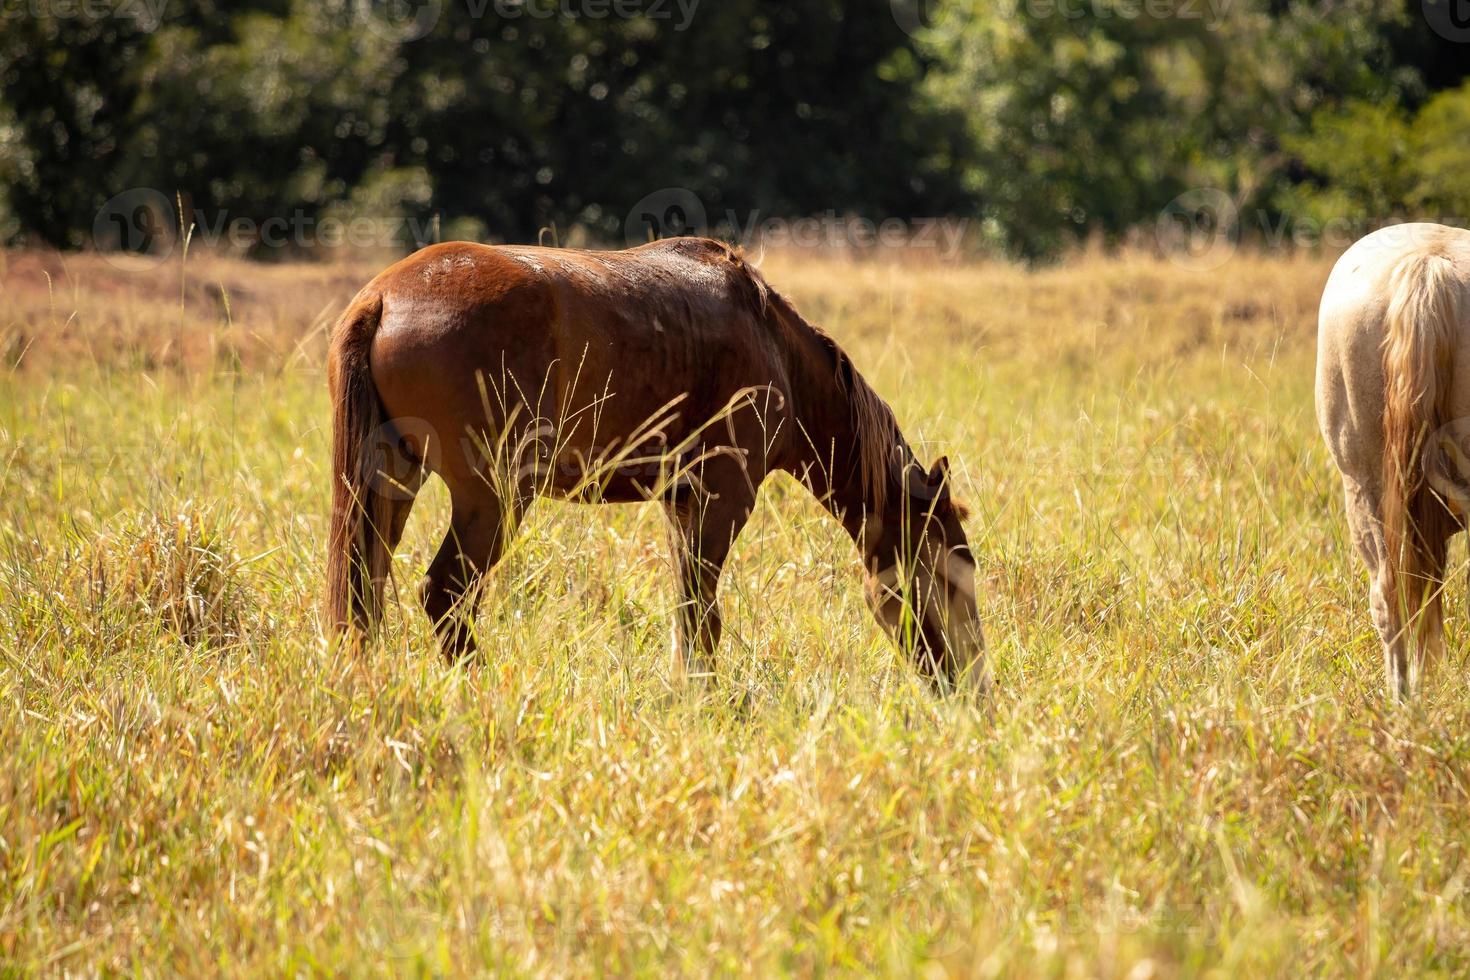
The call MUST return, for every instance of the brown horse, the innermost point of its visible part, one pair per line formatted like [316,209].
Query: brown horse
[670,371]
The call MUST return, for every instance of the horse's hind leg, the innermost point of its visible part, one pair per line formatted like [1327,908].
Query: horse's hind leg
[479,529]
[402,492]
[400,505]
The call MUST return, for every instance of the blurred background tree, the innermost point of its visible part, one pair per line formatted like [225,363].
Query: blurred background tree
[1052,121]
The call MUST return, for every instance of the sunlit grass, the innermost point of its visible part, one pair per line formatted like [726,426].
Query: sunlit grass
[1188,765]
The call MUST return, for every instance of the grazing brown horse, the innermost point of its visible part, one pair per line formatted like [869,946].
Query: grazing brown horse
[670,371]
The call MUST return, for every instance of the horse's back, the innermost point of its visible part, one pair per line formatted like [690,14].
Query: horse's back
[1359,284]
[646,302]
[574,336]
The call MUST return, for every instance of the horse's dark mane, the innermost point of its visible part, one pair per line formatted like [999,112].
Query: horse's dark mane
[873,421]
[755,291]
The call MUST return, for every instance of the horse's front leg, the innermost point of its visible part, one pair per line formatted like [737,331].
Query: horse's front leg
[703,531]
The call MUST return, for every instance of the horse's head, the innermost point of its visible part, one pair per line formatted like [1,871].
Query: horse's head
[921,580]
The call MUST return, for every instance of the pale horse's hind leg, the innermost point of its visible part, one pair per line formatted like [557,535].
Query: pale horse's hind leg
[1402,664]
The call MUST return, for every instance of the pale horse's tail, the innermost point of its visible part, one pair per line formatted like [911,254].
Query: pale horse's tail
[1418,370]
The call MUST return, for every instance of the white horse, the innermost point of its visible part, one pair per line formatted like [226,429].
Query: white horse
[1393,402]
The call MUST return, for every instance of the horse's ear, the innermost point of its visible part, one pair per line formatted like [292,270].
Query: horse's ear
[939,475]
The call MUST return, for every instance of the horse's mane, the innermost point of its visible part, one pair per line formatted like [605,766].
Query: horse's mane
[873,421]
[876,426]
[754,289]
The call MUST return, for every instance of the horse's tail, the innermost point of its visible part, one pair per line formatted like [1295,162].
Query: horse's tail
[357,555]
[1418,366]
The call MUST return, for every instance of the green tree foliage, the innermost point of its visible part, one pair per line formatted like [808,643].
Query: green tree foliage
[1379,160]
[498,114]
[1052,120]
[1088,117]
[1441,162]
[68,90]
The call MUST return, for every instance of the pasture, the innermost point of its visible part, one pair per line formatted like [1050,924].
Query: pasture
[1189,765]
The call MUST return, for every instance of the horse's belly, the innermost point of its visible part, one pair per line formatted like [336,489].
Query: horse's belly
[650,472]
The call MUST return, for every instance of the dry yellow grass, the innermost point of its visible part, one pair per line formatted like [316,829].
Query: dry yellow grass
[1189,767]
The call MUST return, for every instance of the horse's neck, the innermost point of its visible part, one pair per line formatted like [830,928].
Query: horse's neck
[828,448]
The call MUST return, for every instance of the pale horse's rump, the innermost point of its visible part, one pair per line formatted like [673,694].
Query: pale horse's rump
[1393,403]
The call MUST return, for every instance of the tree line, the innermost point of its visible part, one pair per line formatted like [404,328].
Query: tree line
[1041,122]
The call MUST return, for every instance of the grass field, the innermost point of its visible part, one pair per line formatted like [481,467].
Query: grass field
[1189,766]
